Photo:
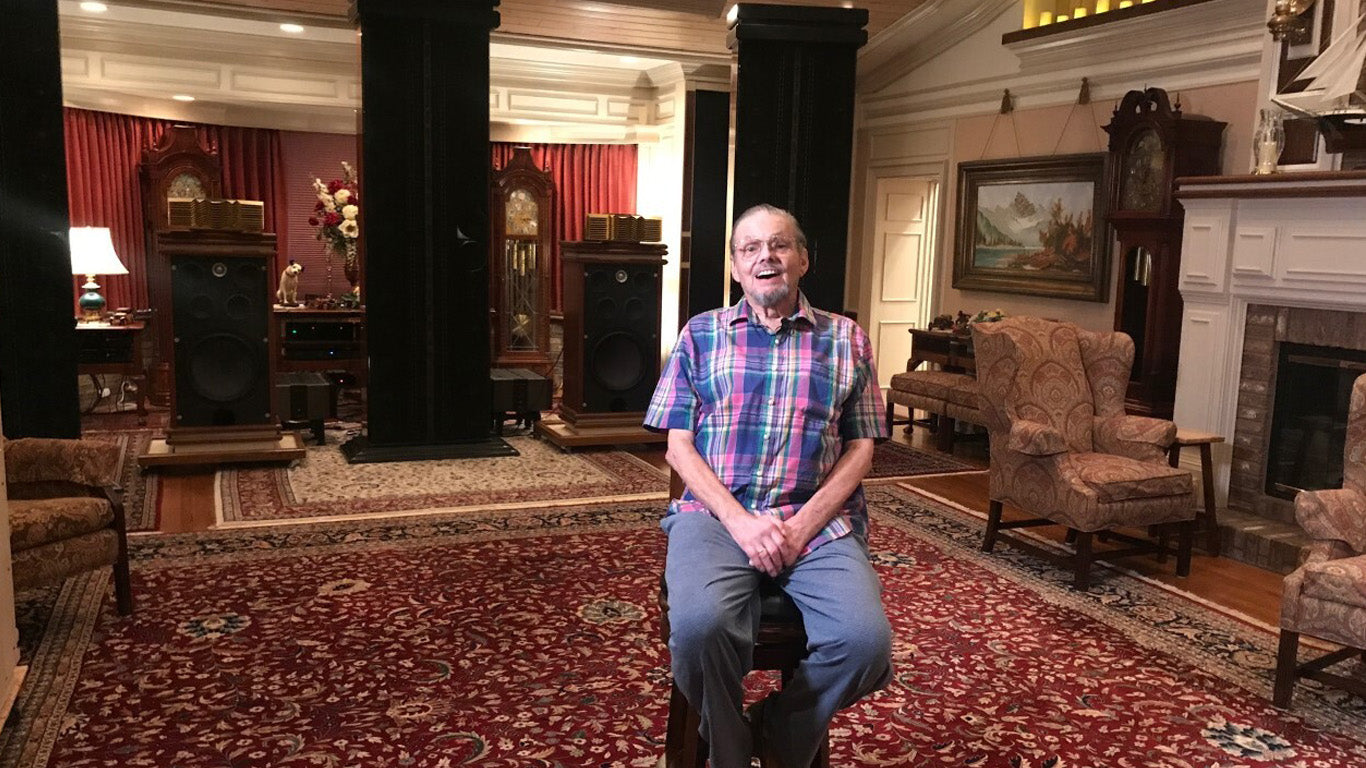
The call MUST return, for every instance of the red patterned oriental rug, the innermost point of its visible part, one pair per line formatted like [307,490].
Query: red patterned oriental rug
[531,639]
[893,460]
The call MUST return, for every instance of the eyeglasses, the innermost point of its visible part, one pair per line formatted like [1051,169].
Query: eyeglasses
[779,246]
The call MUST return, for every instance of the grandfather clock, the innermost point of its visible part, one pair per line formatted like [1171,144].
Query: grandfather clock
[1153,143]
[177,167]
[520,207]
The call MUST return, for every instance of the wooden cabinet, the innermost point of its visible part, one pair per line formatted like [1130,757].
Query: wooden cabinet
[520,209]
[320,340]
[1153,143]
[113,349]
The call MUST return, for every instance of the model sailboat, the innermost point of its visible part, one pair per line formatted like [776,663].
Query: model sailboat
[1334,78]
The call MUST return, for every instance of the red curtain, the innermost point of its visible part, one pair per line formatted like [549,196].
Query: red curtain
[589,178]
[103,151]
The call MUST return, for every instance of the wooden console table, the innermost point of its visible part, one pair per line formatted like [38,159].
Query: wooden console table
[115,349]
[318,340]
[950,351]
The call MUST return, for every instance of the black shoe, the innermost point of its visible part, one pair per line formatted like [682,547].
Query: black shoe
[763,749]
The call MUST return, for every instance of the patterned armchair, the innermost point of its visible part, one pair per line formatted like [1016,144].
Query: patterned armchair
[1326,596]
[66,514]
[1064,451]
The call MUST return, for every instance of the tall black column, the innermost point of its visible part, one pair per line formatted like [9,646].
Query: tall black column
[794,126]
[37,327]
[706,152]
[425,189]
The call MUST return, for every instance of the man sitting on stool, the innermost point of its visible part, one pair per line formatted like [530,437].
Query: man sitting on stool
[771,408]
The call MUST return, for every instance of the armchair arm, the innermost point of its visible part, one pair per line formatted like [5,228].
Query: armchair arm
[1134,437]
[47,460]
[1337,514]
[1034,439]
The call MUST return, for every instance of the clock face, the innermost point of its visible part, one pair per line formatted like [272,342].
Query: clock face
[522,213]
[1142,186]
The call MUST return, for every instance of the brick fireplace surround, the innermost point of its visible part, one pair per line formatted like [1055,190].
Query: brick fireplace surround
[1265,260]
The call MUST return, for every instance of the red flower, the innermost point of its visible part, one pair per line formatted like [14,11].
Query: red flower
[332,219]
[313,221]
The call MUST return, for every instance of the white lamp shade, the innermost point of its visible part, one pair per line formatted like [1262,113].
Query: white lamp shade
[92,252]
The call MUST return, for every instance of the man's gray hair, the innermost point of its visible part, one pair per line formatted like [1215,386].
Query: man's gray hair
[772,210]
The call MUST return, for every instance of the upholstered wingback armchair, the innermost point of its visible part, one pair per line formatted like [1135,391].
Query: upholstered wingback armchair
[66,513]
[1326,596]
[1062,448]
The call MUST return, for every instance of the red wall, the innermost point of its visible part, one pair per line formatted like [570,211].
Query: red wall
[305,157]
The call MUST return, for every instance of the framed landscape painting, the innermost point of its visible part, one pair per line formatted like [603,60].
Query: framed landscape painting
[1034,225]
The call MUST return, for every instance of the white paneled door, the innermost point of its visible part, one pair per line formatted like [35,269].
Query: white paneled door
[903,267]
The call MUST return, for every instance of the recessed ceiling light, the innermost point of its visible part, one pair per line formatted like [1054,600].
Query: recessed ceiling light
[293,29]
[630,59]
[183,97]
[94,7]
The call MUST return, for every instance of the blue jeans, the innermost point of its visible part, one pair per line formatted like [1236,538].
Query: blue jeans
[714,617]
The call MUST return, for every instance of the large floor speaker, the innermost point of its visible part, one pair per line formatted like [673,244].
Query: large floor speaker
[612,315]
[220,316]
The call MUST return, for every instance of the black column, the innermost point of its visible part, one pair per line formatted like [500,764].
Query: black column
[37,326]
[706,153]
[424,176]
[794,126]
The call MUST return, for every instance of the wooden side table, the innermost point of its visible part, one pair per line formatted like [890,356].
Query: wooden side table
[1208,517]
[114,349]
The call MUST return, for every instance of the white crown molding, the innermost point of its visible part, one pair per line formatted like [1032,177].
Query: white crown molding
[1209,44]
[309,85]
[291,117]
[1180,32]
[932,28]
[694,77]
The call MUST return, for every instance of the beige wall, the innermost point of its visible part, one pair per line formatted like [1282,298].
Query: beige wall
[1062,130]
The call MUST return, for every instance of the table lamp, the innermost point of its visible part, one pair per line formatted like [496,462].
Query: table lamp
[92,253]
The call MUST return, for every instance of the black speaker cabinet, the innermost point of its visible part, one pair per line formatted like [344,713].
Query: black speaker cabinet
[220,327]
[611,330]
[222,341]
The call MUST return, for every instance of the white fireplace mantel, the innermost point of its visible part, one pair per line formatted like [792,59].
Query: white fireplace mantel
[1294,240]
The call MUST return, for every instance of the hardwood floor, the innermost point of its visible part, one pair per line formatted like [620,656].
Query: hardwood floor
[187,504]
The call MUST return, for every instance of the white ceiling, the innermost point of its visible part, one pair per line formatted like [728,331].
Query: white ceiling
[266,37]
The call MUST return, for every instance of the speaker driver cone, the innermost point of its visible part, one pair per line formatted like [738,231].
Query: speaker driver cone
[223,368]
[618,363]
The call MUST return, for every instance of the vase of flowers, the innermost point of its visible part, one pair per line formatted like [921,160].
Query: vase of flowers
[335,218]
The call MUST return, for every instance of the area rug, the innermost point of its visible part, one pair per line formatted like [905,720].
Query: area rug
[322,486]
[530,638]
[892,460]
[140,489]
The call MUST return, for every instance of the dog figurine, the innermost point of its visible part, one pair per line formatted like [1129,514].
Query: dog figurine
[288,292]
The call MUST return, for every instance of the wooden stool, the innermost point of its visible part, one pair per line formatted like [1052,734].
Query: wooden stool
[1209,520]
[781,645]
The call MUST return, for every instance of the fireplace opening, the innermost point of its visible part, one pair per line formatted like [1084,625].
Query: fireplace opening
[1309,417]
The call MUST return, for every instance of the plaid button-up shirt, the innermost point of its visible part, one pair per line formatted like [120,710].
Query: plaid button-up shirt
[771,410]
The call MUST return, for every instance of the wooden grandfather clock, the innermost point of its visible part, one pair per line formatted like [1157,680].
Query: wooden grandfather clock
[522,200]
[1153,143]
